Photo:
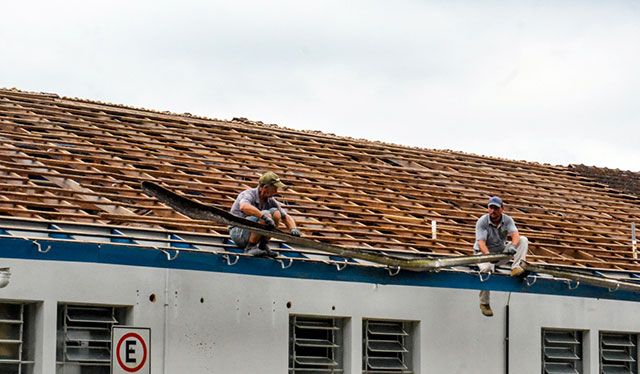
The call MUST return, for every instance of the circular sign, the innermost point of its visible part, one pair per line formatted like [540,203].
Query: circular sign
[144,352]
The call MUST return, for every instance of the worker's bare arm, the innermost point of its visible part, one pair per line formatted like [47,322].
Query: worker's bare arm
[482,244]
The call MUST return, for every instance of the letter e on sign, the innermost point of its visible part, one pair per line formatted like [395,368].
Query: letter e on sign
[130,350]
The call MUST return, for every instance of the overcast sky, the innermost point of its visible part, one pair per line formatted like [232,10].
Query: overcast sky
[547,81]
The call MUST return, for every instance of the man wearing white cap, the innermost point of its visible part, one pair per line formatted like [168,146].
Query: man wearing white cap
[492,230]
[259,205]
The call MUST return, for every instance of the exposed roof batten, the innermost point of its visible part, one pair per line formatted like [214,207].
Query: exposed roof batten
[88,159]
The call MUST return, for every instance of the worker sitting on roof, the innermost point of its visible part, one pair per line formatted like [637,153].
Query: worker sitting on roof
[492,230]
[259,205]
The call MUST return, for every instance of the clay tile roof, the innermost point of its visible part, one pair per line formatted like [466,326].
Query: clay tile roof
[74,160]
[620,180]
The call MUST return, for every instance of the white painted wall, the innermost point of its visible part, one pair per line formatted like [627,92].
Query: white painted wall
[242,324]
[530,313]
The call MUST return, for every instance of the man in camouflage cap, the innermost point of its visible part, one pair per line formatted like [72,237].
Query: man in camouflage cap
[259,205]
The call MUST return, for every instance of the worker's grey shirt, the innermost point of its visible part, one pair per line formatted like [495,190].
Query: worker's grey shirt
[494,236]
[252,197]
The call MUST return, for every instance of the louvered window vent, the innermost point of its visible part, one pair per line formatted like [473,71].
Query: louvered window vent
[385,347]
[315,345]
[16,338]
[618,353]
[84,337]
[561,351]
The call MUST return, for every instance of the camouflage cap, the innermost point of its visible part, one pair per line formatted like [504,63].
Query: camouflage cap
[271,179]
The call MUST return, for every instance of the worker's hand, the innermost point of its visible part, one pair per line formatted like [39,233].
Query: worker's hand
[295,231]
[511,249]
[269,221]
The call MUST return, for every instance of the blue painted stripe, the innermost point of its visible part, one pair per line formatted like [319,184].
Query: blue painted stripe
[180,245]
[120,240]
[57,235]
[134,256]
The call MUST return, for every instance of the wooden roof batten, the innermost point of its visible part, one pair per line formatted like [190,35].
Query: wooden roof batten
[76,160]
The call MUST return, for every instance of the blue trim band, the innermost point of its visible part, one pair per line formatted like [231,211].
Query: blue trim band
[105,253]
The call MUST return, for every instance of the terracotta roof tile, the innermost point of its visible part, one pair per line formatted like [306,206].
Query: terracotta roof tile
[75,160]
[621,180]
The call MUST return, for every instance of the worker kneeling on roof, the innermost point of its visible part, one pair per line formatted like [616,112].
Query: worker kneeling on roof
[259,205]
[492,230]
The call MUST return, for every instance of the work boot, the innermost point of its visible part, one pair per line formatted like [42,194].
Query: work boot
[264,245]
[517,271]
[254,250]
[486,310]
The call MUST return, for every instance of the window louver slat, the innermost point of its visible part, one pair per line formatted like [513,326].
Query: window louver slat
[560,337]
[386,346]
[315,343]
[96,354]
[386,363]
[319,361]
[617,340]
[617,356]
[615,369]
[560,369]
[10,341]
[386,329]
[90,315]
[560,354]
[87,335]
[315,325]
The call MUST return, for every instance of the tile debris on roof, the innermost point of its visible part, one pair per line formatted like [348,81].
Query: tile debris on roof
[620,180]
[80,161]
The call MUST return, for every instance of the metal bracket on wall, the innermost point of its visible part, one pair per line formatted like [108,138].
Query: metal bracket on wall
[569,284]
[529,283]
[614,289]
[166,252]
[484,279]
[40,247]
[281,261]
[227,258]
[393,273]
[344,265]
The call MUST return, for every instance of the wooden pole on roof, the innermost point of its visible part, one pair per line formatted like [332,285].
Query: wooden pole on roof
[434,234]
[634,243]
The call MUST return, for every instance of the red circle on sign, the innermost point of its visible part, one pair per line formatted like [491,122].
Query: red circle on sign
[144,349]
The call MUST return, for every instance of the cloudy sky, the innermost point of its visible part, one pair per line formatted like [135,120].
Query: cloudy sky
[547,81]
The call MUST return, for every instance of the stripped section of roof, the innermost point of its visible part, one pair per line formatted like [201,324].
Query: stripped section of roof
[77,161]
[620,180]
